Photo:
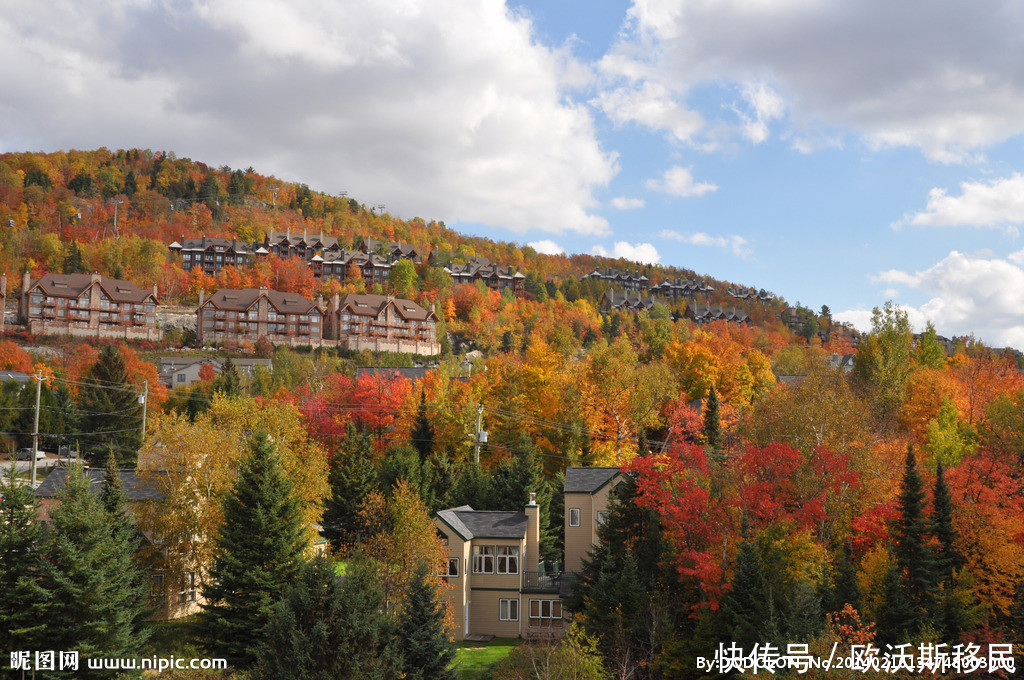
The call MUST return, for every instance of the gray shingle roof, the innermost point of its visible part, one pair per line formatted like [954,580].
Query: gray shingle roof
[470,523]
[135,488]
[587,479]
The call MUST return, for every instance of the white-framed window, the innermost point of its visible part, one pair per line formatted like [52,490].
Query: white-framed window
[156,586]
[483,559]
[602,517]
[574,517]
[188,587]
[508,609]
[180,377]
[545,613]
[450,567]
[508,559]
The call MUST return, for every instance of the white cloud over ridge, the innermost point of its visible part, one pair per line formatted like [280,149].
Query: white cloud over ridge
[998,203]
[894,74]
[678,181]
[547,247]
[734,243]
[640,252]
[441,108]
[980,293]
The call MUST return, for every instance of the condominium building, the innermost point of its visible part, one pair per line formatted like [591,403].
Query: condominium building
[88,305]
[382,323]
[245,315]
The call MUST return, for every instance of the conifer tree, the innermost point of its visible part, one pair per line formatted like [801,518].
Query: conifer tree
[843,587]
[259,553]
[422,434]
[96,592]
[913,555]
[951,615]
[712,424]
[744,610]
[111,412]
[352,477]
[427,653]
[23,604]
[229,382]
[326,630]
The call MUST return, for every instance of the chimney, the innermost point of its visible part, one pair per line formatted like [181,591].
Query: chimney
[202,296]
[532,557]
[26,282]
[96,277]
[154,290]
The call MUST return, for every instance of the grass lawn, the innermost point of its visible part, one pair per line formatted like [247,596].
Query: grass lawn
[475,659]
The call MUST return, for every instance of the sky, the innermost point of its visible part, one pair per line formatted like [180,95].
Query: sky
[835,152]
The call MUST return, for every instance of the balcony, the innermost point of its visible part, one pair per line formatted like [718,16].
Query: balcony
[546,581]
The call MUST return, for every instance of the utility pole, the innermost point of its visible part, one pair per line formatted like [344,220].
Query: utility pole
[35,427]
[144,400]
[476,445]
[116,202]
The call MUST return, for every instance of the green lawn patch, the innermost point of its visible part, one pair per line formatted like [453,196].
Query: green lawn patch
[474,660]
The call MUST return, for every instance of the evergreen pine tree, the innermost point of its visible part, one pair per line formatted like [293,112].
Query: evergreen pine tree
[744,610]
[259,553]
[422,434]
[897,617]
[351,478]
[326,630]
[951,615]
[111,412]
[73,260]
[229,382]
[843,587]
[426,652]
[712,424]
[913,555]
[615,610]
[23,604]
[1017,628]
[96,592]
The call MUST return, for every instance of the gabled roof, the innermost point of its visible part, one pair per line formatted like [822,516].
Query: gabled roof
[211,242]
[588,479]
[469,523]
[73,285]
[242,299]
[373,305]
[135,488]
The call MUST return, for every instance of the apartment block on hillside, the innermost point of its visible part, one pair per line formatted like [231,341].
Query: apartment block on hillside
[88,305]
[244,315]
[382,323]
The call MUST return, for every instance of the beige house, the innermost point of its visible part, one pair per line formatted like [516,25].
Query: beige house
[247,314]
[498,584]
[382,323]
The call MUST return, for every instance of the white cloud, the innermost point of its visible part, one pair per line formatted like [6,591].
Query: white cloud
[890,73]
[731,242]
[641,252]
[998,203]
[979,293]
[624,203]
[678,181]
[547,247]
[449,109]
[766,106]
[652,105]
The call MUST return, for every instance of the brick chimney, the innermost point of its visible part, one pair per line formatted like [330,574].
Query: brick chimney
[202,296]
[532,558]
[154,290]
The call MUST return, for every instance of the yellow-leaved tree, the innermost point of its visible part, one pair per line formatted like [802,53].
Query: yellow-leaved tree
[194,464]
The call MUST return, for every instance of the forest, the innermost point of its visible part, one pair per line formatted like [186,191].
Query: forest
[773,496]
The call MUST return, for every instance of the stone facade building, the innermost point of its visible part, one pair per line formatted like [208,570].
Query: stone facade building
[88,305]
[245,315]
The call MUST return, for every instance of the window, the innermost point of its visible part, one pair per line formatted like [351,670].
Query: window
[180,378]
[188,587]
[450,567]
[601,517]
[545,613]
[156,586]
[508,610]
[483,559]
[508,560]
[574,517]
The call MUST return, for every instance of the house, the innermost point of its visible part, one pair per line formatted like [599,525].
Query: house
[587,491]
[88,305]
[245,315]
[183,371]
[680,288]
[627,301]
[494,276]
[498,586]
[212,254]
[382,323]
[169,599]
[701,314]
[371,267]
[285,244]
[394,250]
[634,282]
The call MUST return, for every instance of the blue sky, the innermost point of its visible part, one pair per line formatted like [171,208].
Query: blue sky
[839,152]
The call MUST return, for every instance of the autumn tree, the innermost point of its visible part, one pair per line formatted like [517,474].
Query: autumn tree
[259,554]
[883,358]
